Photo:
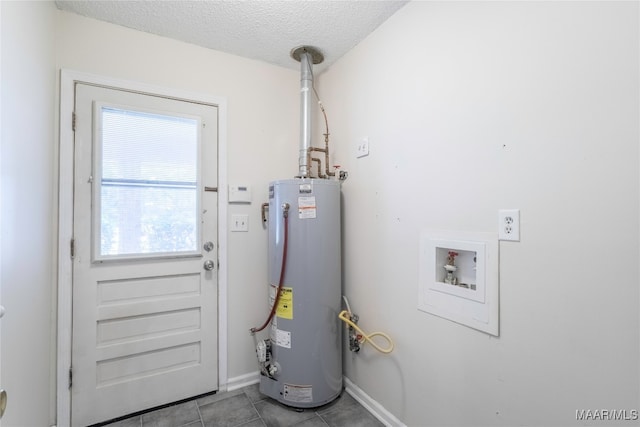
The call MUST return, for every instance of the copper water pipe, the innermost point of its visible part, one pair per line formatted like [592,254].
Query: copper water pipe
[317,160]
[325,150]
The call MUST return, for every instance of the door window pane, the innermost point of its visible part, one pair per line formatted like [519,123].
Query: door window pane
[149,183]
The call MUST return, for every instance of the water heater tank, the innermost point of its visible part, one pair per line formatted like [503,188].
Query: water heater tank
[305,333]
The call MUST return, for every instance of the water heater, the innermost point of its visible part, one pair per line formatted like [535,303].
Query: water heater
[302,364]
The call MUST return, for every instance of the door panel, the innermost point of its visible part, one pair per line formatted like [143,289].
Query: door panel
[144,306]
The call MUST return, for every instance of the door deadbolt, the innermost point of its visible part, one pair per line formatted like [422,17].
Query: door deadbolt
[208,265]
[208,246]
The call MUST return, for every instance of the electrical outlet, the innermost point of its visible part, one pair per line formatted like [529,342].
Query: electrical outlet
[363,148]
[509,224]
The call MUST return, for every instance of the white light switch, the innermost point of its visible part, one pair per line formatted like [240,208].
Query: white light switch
[363,148]
[239,222]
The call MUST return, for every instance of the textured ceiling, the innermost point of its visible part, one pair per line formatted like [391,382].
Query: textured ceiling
[263,30]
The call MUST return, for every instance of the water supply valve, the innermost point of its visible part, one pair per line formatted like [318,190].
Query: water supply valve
[354,337]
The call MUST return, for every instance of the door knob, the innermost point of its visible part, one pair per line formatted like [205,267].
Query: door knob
[208,265]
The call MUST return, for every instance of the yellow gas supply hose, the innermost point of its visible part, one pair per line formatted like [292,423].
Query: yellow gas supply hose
[346,318]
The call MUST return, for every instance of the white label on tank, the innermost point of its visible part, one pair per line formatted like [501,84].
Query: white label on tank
[307,207]
[298,393]
[283,338]
[305,188]
[274,329]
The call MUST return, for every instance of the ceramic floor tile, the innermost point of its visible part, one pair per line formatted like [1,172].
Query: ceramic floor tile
[316,421]
[342,401]
[276,415]
[253,393]
[351,416]
[247,407]
[255,423]
[205,400]
[230,412]
[129,422]
[172,416]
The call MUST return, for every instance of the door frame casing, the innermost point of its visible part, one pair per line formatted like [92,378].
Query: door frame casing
[68,79]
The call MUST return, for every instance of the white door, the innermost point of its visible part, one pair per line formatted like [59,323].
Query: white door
[145,253]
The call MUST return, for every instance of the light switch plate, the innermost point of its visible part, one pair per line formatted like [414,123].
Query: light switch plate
[239,222]
[362,149]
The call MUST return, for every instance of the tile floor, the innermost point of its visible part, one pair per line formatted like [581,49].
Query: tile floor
[247,407]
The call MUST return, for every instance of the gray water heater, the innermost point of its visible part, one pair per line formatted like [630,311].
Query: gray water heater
[303,366]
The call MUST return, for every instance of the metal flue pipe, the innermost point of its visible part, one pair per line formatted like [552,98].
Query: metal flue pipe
[306,82]
[307,56]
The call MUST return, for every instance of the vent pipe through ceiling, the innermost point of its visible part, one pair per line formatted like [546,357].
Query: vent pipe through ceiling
[307,56]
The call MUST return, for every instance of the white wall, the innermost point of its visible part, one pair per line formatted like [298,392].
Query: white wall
[471,107]
[262,136]
[27,184]
[37,41]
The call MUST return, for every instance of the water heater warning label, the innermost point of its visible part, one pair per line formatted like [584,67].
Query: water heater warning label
[306,207]
[298,393]
[285,304]
[283,338]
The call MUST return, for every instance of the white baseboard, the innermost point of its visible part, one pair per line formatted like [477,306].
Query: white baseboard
[376,409]
[242,381]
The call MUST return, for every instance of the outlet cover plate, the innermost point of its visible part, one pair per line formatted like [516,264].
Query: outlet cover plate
[509,225]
